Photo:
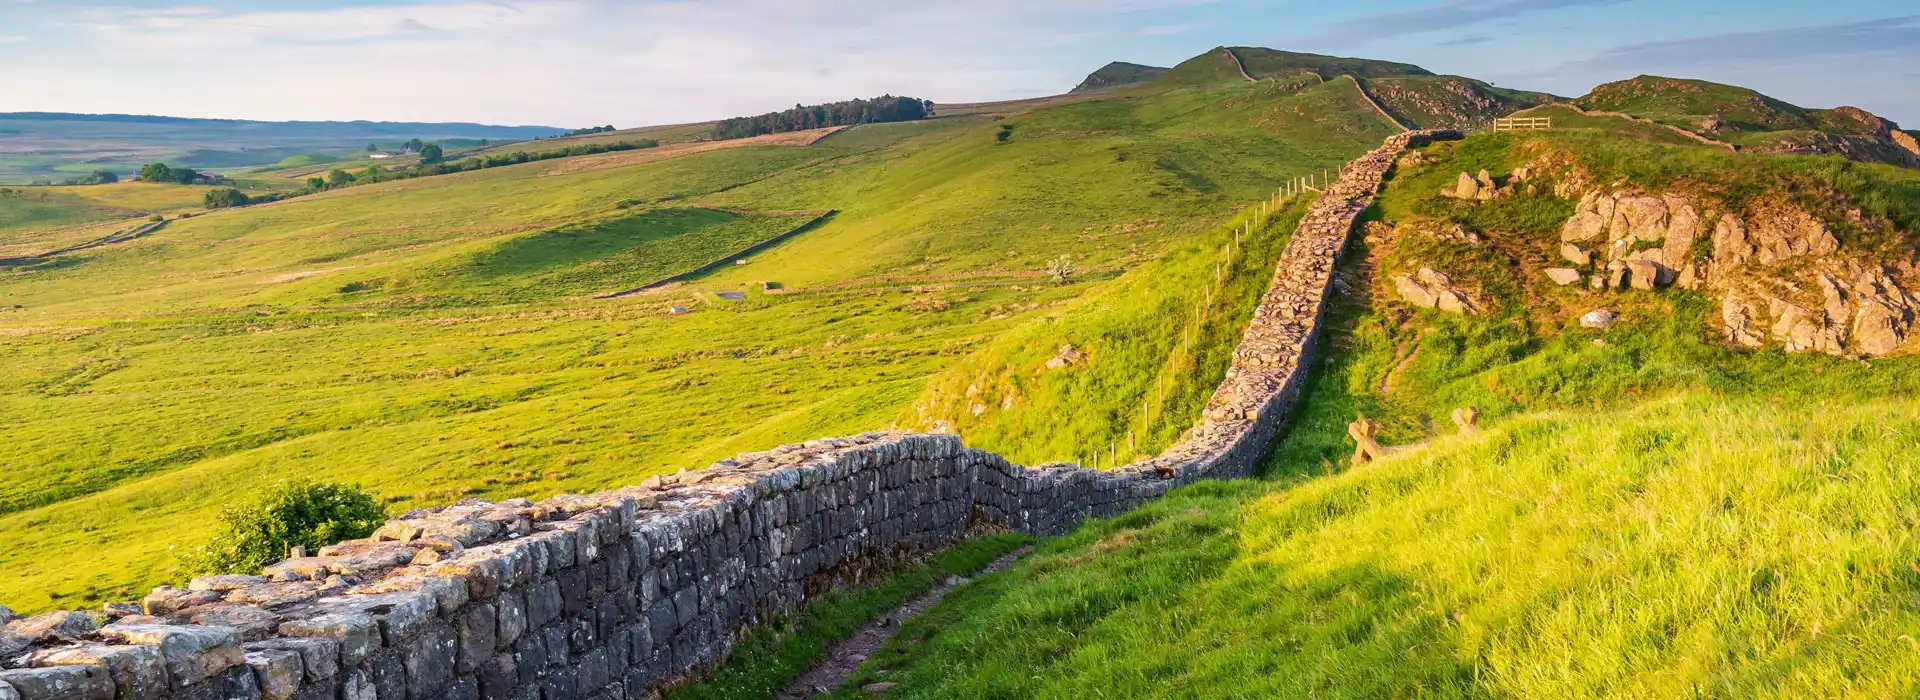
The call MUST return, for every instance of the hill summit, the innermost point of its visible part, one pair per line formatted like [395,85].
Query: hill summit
[1118,74]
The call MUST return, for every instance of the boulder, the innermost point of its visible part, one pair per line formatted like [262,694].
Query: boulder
[1464,187]
[224,582]
[1598,318]
[1413,292]
[1067,357]
[1563,276]
[1575,254]
[1645,275]
[1590,218]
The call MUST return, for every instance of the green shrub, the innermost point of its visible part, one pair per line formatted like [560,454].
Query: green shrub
[299,513]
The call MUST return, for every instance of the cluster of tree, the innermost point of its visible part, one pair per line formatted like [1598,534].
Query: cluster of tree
[592,130]
[97,177]
[341,178]
[885,108]
[161,172]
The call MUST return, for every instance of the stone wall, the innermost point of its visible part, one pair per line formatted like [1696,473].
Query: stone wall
[616,595]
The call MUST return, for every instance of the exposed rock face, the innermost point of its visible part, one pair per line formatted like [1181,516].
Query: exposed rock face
[1431,289]
[1828,303]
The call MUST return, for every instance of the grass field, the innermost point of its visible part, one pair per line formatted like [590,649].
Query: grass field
[1649,513]
[433,338]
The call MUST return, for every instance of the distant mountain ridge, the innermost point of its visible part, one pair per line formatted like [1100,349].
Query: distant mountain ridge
[379,127]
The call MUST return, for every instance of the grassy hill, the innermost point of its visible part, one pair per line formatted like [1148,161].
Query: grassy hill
[57,146]
[439,337]
[1119,74]
[1748,119]
[1649,512]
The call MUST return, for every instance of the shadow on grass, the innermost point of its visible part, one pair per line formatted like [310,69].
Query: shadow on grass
[1164,603]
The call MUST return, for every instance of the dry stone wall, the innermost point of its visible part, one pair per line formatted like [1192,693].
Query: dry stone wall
[617,595]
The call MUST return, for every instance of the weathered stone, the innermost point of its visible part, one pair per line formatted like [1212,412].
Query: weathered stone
[252,622]
[1575,254]
[1599,318]
[90,682]
[477,628]
[357,633]
[278,673]
[430,661]
[225,582]
[56,625]
[138,672]
[319,656]
[1413,292]
[1563,276]
[192,654]
[1646,275]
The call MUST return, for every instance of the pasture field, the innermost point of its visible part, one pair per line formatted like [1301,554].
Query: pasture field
[1647,513]
[438,337]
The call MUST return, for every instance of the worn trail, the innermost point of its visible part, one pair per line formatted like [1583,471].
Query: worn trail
[846,656]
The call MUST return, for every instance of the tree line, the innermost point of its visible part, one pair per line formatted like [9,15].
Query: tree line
[886,108]
[431,164]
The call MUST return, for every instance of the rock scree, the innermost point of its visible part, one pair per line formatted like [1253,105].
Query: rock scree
[624,593]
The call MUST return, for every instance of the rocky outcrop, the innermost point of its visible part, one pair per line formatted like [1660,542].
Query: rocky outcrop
[1777,270]
[620,594]
[1431,289]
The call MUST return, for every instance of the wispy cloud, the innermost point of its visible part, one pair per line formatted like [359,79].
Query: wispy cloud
[4,39]
[1469,40]
[1899,35]
[573,61]
[1430,18]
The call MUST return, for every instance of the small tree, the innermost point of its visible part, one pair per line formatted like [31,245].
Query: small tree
[225,197]
[372,147]
[316,184]
[292,513]
[1061,269]
[431,153]
[157,172]
[339,178]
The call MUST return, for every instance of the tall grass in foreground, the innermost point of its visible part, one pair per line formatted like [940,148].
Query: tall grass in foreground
[1698,545]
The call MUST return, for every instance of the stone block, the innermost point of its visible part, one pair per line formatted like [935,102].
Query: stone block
[498,677]
[477,632]
[358,634]
[90,682]
[236,683]
[430,659]
[319,657]
[139,672]
[277,672]
[389,671]
[191,654]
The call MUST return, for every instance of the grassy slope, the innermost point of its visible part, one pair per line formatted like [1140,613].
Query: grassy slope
[351,336]
[1654,515]
[38,219]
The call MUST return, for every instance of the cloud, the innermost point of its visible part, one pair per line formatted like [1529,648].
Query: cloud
[1899,35]
[571,62]
[1430,18]
[11,39]
[1466,40]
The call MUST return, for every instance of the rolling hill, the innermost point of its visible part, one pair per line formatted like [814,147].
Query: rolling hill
[442,336]
[1748,119]
[1686,334]
[55,146]
[1118,74]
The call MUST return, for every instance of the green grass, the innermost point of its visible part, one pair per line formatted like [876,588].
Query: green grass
[1692,546]
[429,339]
[771,658]
[1647,513]
[1150,362]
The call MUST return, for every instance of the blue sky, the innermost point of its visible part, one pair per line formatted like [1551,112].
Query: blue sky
[637,62]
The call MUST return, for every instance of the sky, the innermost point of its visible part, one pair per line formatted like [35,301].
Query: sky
[629,63]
